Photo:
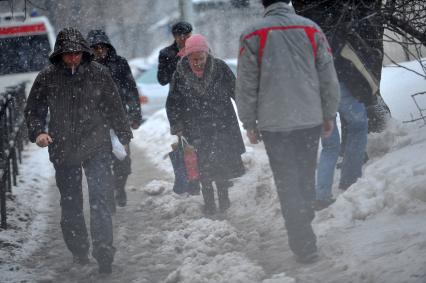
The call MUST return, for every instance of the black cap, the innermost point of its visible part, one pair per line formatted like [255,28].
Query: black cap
[181,28]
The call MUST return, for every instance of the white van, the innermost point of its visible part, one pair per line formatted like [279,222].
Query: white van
[26,43]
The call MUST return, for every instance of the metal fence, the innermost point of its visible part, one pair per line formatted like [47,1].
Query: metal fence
[12,138]
[420,108]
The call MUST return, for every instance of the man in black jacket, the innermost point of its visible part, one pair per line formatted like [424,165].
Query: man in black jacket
[168,58]
[84,105]
[106,54]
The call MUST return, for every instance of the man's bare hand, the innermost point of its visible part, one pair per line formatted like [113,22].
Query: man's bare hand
[327,128]
[43,140]
[127,149]
[135,125]
[254,136]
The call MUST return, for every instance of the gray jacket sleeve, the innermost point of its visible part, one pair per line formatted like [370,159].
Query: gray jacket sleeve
[329,84]
[247,84]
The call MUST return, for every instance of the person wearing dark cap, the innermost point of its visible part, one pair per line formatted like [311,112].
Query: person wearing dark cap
[168,58]
[84,105]
[106,54]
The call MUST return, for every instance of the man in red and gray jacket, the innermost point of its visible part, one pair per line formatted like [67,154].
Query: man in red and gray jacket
[287,92]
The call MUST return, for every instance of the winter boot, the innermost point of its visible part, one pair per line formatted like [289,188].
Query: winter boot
[121,197]
[208,196]
[307,258]
[105,268]
[223,196]
[104,255]
[321,204]
[194,188]
[120,191]
[81,259]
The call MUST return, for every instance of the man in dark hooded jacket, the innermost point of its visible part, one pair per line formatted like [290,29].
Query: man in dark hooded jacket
[84,105]
[106,54]
[168,58]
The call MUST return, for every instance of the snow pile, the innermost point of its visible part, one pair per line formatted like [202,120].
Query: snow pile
[395,136]
[205,236]
[392,184]
[210,253]
[156,187]
[230,267]
[279,278]
[154,136]
[168,205]
[397,86]
[26,221]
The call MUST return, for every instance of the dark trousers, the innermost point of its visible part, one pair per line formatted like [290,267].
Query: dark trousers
[292,156]
[68,180]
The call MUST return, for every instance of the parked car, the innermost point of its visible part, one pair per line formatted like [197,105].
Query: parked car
[138,66]
[152,95]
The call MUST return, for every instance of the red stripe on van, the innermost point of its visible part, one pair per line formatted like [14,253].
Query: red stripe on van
[20,30]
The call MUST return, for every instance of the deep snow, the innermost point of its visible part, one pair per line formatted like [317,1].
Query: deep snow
[375,232]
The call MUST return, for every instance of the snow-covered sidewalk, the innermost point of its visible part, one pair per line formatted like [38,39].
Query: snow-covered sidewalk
[374,232]
[27,221]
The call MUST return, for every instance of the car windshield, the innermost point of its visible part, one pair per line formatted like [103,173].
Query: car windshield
[23,54]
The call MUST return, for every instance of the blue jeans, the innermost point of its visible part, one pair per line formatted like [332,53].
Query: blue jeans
[99,178]
[355,116]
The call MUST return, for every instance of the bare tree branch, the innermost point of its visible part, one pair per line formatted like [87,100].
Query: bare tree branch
[406,27]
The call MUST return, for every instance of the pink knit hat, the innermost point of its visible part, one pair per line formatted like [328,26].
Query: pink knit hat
[195,43]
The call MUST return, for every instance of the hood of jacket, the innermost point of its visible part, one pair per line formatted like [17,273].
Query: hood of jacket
[98,36]
[70,40]
[279,8]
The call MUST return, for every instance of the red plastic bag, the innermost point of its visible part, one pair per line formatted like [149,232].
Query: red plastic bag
[191,163]
[182,183]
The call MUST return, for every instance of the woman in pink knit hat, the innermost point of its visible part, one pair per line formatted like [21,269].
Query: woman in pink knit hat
[199,107]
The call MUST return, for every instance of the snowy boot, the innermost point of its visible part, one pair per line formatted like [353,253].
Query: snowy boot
[308,258]
[223,196]
[81,259]
[105,268]
[208,196]
[120,191]
[121,197]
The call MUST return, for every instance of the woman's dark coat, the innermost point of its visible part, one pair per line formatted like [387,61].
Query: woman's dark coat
[203,110]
